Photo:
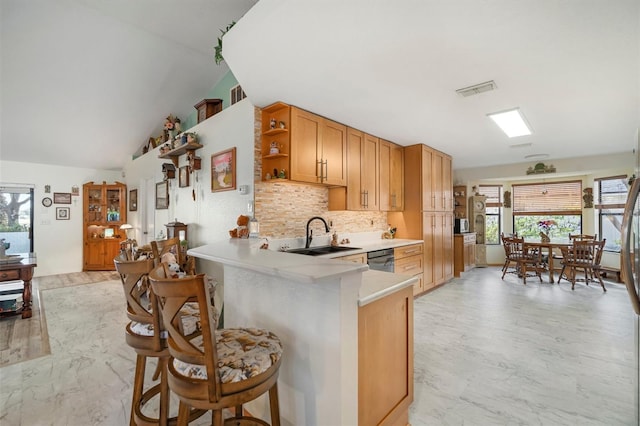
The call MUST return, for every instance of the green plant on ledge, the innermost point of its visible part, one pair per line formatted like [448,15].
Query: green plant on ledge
[218,48]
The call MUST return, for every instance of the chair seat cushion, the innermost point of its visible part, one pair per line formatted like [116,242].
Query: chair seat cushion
[242,353]
[190,321]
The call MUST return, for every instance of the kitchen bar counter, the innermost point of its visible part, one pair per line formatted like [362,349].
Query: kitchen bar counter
[312,304]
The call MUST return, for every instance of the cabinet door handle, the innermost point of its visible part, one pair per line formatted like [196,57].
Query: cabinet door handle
[409,267]
[326,169]
[366,199]
[319,163]
[411,251]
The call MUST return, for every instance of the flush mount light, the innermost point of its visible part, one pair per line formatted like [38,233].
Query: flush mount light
[536,156]
[511,122]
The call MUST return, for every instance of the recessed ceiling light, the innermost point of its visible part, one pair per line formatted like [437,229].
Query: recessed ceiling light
[536,156]
[511,122]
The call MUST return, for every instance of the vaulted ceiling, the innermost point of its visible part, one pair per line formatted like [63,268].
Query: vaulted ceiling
[86,82]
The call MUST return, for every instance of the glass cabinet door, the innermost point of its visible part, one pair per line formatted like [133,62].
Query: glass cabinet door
[95,205]
[113,205]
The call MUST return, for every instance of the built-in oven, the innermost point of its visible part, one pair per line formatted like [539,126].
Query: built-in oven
[381,260]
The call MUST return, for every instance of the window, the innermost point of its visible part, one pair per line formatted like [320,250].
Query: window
[612,196]
[237,94]
[493,212]
[560,202]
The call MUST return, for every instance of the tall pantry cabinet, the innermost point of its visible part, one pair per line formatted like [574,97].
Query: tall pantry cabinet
[428,211]
[104,210]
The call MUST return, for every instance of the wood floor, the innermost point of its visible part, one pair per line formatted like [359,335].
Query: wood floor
[487,352]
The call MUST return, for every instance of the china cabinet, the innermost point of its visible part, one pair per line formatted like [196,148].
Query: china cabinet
[104,211]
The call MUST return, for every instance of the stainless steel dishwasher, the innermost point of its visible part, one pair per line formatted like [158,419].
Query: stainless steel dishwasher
[381,260]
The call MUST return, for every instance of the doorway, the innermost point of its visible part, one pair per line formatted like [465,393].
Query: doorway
[16,218]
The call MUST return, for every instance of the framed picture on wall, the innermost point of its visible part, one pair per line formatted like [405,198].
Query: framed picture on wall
[162,195]
[63,213]
[183,177]
[62,198]
[133,200]
[223,170]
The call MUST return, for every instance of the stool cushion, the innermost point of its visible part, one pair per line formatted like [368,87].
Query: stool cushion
[242,353]
[190,321]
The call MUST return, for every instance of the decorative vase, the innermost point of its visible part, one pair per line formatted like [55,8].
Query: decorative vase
[544,237]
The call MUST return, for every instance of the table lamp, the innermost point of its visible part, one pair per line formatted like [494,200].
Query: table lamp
[126,227]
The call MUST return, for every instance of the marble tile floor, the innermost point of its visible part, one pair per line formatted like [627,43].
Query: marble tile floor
[493,352]
[487,352]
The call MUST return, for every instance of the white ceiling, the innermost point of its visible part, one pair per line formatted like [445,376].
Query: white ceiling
[87,82]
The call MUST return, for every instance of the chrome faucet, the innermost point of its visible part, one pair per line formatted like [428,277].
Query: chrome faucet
[310,232]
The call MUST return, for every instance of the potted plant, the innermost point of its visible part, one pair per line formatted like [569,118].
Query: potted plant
[218,48]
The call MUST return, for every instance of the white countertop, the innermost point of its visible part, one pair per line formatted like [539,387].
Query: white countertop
[378,284]
[246,253]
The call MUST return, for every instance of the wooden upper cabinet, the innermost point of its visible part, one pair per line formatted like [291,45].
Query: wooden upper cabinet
[362,165]
[437,180]
[391,176]
[333,157]
[318,149]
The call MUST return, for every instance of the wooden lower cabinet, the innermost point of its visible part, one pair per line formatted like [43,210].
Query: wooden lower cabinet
[464,253]
[99,254]
[409,260]
[385,360]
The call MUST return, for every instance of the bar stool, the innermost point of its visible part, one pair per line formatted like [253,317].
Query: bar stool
[142,337]
[215,369]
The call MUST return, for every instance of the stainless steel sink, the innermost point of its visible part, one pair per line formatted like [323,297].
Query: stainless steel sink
[318,251]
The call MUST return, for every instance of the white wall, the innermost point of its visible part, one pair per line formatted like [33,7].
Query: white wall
[584,168]
[57,243]
[211,215]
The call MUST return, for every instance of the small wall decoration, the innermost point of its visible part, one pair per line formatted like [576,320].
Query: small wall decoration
[63,213]
[75,190]
[183,180]
[223,170]
[162,195]
[133,200]
[47,189]
[588,198]
[541,168]
[507,199]
[62,198]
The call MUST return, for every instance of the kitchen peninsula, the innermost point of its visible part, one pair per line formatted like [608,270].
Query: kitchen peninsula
[335,318]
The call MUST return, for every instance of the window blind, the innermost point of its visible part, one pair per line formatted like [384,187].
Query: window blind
[612,192]
[548,198]
[493,194]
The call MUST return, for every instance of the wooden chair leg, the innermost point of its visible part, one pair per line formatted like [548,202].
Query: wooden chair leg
[138,383]
[274,405]
[238,410]
[216,418]
[164,391]
[183,414]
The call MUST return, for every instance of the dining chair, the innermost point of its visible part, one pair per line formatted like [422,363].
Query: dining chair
[582,256]
[527,259]
[215,369]
[582,237]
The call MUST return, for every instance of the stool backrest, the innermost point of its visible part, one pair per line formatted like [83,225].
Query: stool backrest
[171,245]
[172,295]
[582,237]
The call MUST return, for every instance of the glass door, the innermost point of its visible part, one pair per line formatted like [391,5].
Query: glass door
[16,218]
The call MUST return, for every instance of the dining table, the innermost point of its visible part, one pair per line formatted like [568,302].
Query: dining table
[548,246]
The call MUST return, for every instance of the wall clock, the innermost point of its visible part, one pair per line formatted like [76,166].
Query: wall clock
[46,201]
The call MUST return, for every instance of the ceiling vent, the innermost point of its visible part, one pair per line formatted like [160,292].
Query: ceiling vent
[521,145]
[478,88]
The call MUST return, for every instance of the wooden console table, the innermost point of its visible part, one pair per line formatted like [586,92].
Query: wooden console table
[22,270]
